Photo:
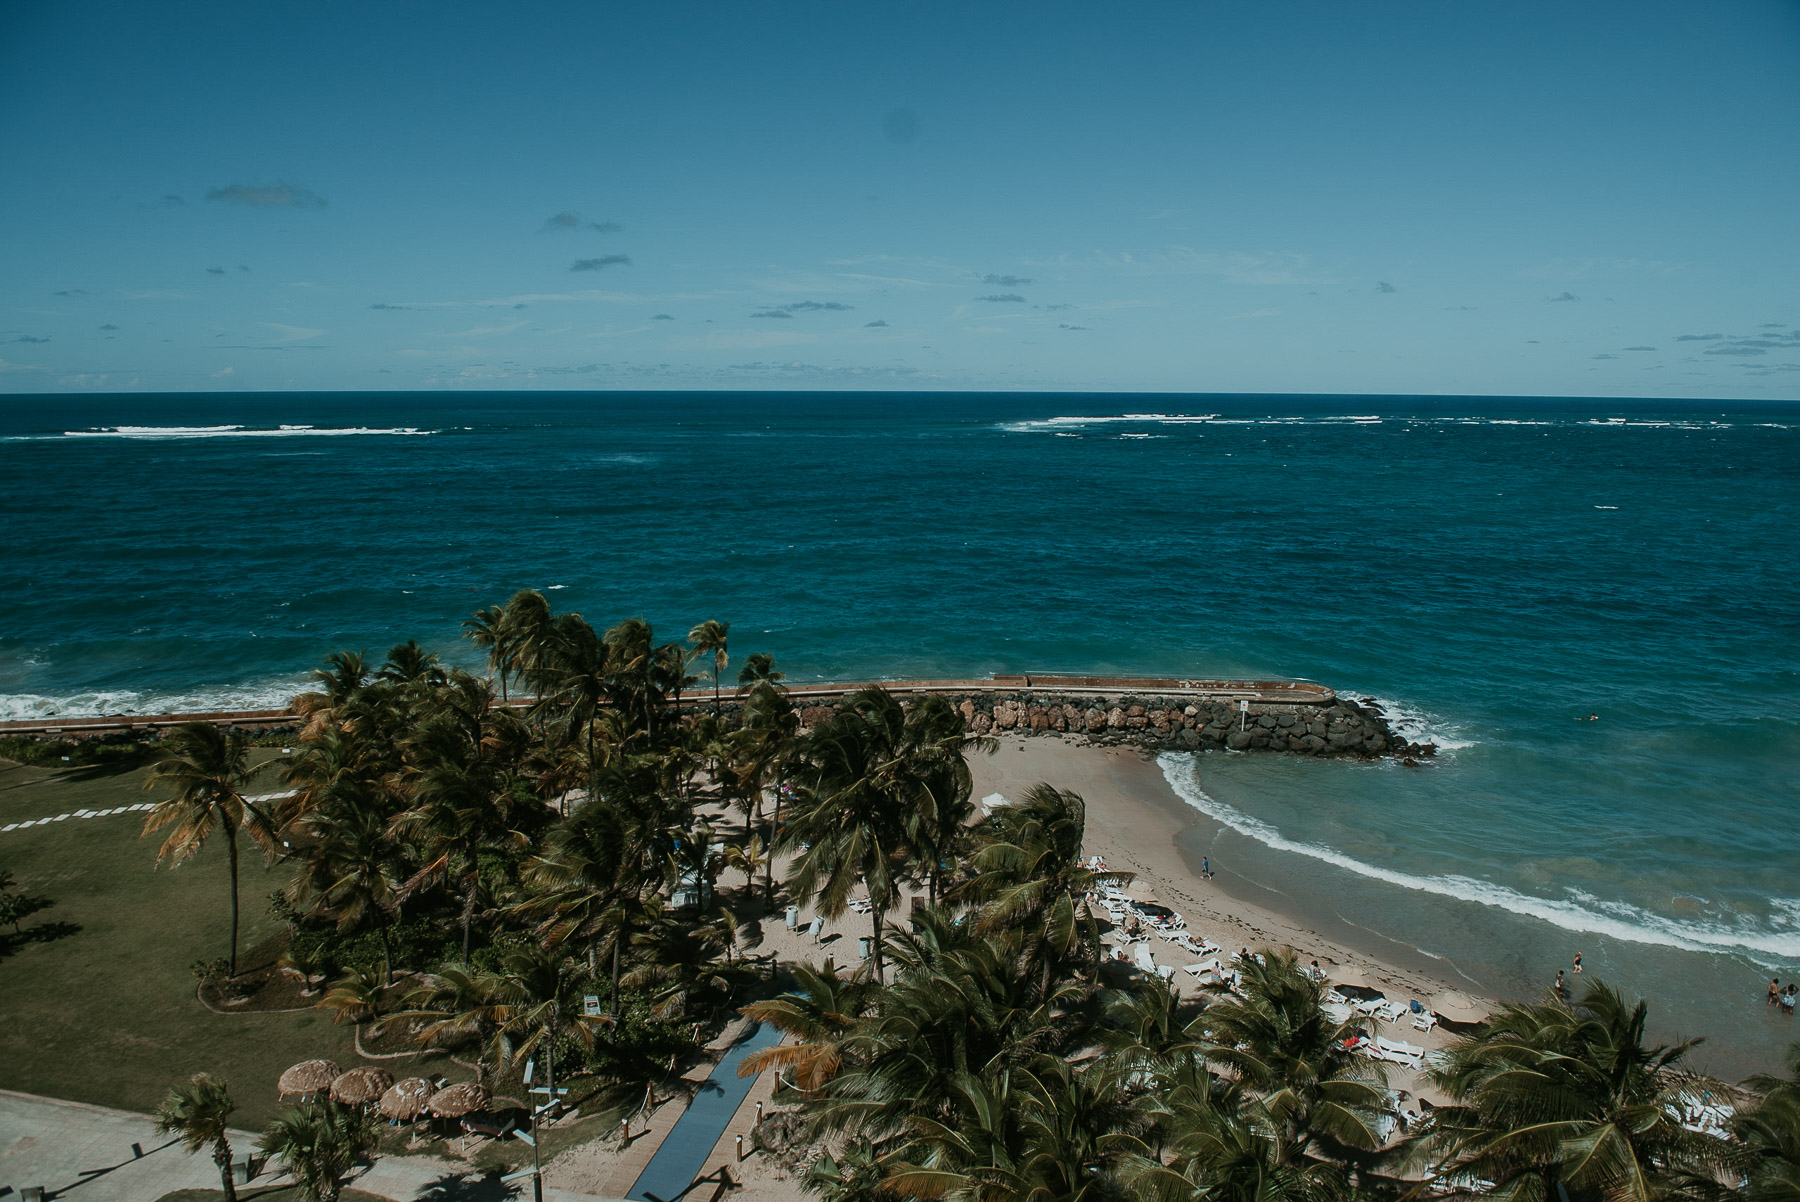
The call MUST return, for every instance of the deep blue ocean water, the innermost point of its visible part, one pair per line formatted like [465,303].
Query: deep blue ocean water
[1495,569]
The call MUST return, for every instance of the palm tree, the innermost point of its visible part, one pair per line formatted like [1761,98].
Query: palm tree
[1320,1098]
[1769,1135]
[822,1015]
[536,1000]
[208,770]
[631,668]
[199,1113]
[759,668]
[319,1142]
[1551,1095]
[710,638]
[1030,877]
[770,727]
[350,870]
[487,630]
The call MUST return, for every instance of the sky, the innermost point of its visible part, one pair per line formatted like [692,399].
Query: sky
[1487,198]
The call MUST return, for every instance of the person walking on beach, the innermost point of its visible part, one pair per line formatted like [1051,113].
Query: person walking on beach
[1562,991]
[1774,991]
[1577,963]
[1205,869]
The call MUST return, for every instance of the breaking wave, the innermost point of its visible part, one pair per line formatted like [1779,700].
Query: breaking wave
[1578,911]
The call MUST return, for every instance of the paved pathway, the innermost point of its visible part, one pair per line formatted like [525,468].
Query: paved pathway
[84,1154]
[140,807]
[684,1151]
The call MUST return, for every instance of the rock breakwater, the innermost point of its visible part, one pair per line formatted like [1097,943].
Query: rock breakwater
[1341,728]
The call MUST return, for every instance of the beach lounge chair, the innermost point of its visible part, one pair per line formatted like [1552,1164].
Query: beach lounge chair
[1393,1050]
[1337,1012]
[1424,1021]
[1390,1012]
[1144,960]
[1368,1006]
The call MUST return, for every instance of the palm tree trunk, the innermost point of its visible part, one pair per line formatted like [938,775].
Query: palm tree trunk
[231,846]
[876,914]
[774,828]
[468,916]
[387,957]
[222,1158]
[617,939]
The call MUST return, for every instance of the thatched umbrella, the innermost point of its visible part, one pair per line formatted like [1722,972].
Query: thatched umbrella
[360,1086]
[1457,1006]
[1351,975]
[308,1077]
[405,1100]
[454,1101]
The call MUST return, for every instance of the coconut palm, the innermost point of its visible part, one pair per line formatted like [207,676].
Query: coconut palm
[765,747]
[487,630]
[822,1014]
[631,667]
[1030,877]
[344,675]
[1550,1095]
[535,994]
[208,770]
[877,777]
[759,668]
[199,1113]
[711,638]
[1769,1134]
[319,1142]
[350,869]
[1283,1050]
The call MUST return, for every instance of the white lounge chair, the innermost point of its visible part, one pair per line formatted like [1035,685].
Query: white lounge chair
[1410,1055]
[1144,960]
[1424,1021]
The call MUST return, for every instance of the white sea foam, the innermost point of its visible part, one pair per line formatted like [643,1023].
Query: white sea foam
[1576,912]
[272,694]
[285,431]
[1420,726]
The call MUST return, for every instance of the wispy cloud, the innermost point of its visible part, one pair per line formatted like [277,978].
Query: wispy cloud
[567,222]
[1605,356]
[663,317]
[1640,348]
[1066,326]
[5,366]
[215,271]
[1564,296]
[1384,286]
[805,306]
[287,333]
[1698,337]
[26,338]
[877,324]
[601,263]
[1233,266]
[267,196]
[382,305]
[1594,268]
[109,326]
[1005,281]
[487,331]
[1252,314]
[1003,298]
[73,292]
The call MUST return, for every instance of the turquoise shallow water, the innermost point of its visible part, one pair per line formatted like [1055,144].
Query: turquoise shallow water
[1492,568]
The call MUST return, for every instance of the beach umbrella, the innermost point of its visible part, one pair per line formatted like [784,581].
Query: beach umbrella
[308,1077]
[360,1086]
[1457,1006]
[454,1101]
[405,1100]
[1351,975]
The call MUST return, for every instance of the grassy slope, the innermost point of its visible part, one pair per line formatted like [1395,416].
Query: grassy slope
[108,1015]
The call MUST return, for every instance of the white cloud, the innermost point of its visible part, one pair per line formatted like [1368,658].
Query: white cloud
[289,333]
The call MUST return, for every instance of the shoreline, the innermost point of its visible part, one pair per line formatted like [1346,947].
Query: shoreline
[1135,820]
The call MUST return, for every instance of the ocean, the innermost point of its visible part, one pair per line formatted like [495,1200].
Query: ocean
[1493,570]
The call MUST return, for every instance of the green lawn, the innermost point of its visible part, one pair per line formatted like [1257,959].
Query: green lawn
[107,1014]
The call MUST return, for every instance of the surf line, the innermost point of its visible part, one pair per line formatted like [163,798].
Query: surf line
[1581,914]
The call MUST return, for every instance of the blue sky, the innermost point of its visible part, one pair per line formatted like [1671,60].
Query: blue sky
[1509,198]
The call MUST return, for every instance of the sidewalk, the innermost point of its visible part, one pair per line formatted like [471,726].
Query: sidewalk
[83,1153]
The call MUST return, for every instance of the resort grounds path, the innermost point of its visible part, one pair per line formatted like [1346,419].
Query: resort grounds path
[83,1153]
